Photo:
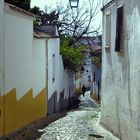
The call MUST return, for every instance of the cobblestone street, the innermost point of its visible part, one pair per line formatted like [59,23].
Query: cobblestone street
[78,124]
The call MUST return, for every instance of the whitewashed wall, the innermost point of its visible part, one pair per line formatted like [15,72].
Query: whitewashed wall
[18,50]
[24,71]
[1,44]
[58,91]
[1,64]
[121,76]
[68,84]
[39,65]
[53,48]
[77,83]
[105,2]
[24,57]
[87,73]
[84,76]
[96,71]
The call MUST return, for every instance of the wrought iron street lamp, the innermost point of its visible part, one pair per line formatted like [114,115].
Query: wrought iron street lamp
[74,3]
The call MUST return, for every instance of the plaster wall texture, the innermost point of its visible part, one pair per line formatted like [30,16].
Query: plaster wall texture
[105,2]
[18,50]
[87,72]
[1,64]
[121,74]
[97,72]
[1,44]
[77,83]
[84,76]
[61,87]
[53,49]
[68,84]
[24,91]
[39,65]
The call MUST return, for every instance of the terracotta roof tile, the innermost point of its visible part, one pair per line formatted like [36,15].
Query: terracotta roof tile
[41,34]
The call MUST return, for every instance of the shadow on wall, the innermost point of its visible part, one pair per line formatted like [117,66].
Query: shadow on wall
[56,105]
[61,101]
[134,4]
[51,106]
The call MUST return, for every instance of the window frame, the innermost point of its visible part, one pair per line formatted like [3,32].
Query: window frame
[108,30]
[53,67]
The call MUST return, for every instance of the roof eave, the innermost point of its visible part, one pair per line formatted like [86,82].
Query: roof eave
[19,10]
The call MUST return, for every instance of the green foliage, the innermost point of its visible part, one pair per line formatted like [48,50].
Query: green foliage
[78,91]
[35,10]
[72,56]
[24,4]
[96,60]
[45,18]
[35,23]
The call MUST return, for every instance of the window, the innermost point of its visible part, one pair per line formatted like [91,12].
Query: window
[94,77]
[108,30]
[119,29]
[53,67]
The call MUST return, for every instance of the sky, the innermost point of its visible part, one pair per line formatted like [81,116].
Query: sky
[49,3]
[52,4]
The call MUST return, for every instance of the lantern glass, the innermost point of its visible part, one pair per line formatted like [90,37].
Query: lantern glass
[74,3]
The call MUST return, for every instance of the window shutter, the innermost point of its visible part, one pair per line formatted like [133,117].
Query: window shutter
[108,30]
[119,28]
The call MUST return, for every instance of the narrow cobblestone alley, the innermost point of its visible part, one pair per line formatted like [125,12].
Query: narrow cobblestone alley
[78,124]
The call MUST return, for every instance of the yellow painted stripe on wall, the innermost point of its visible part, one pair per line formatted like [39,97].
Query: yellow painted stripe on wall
[26,110]
[1,116]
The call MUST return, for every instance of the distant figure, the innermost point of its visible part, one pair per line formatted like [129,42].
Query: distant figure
[83,90]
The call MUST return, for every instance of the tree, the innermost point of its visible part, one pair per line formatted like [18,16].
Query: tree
[24,4]
[45,18]
[36,10]
[49,19]
[72,57]
[78,22]
[72,25]
[75,23]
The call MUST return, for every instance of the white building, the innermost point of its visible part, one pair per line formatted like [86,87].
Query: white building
[31,71]
[25,97]
[1,63]
[85,75]
[59,81]
[121,68]
[22,78]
